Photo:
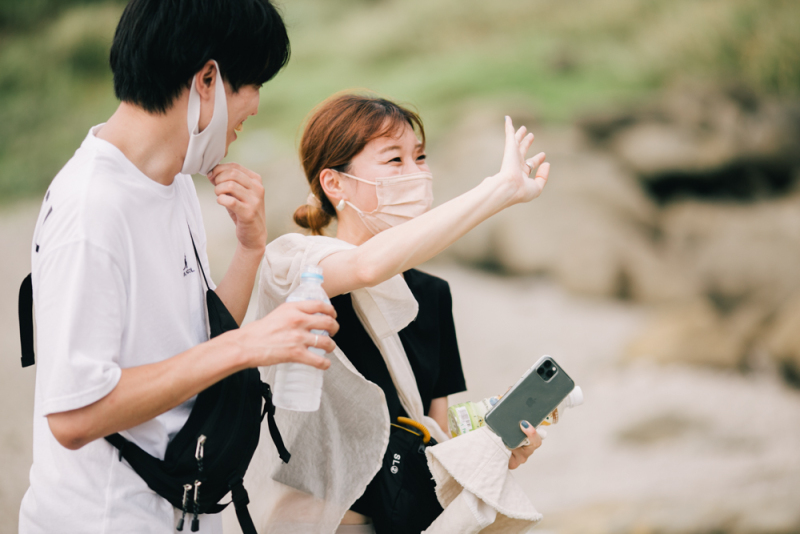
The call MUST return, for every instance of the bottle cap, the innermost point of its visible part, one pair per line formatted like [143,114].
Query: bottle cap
[575,398]
[312,271]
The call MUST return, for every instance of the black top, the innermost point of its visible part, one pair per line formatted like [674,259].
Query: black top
[429,341]
[430,344]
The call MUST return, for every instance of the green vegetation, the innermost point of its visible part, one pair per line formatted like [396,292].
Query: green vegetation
[555,58]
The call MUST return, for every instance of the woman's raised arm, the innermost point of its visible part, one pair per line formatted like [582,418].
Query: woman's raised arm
[403,247]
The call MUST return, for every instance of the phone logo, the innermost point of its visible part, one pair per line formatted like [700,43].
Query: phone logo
[530,402]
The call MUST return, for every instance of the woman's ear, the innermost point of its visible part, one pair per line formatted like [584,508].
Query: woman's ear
[331,183]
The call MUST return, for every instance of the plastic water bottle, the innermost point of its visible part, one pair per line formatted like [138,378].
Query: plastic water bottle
[298,386]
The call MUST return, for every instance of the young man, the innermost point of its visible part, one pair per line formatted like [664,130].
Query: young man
[120,304]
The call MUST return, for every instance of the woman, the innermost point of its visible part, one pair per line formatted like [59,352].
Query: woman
[366,168]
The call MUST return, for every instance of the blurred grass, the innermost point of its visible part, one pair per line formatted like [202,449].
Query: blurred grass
[556,59]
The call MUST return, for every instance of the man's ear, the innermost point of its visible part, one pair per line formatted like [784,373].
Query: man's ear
[331,183]
[206,79]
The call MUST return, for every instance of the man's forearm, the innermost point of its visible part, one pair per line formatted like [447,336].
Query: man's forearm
[236,287]
[147,391]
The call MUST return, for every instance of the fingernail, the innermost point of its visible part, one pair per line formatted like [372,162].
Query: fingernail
[525,424]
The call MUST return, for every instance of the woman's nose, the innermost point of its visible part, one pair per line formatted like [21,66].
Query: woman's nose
[413,166]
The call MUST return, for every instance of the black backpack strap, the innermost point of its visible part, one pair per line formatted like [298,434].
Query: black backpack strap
[240,501]
[197,257]
[269,411]
[148,467]
[25,312]
[220,319]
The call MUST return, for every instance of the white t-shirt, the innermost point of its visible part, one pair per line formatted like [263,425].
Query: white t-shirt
[115,285]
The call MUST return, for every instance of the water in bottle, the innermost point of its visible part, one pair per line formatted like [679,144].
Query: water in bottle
[298,386]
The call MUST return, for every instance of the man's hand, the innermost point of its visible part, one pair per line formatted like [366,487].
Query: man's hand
[520,455]
[241,192]
[285,335]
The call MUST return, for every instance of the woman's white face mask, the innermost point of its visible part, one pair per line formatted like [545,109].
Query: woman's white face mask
[207,148]
[400,199]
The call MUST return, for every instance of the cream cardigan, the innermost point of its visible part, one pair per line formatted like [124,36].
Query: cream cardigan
[337,450]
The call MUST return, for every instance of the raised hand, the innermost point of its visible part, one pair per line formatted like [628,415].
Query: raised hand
[515,170]
[241,192]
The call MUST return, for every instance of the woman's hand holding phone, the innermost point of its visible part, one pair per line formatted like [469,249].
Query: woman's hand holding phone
[521,454]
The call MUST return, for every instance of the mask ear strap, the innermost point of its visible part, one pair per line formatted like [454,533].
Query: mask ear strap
[357,178]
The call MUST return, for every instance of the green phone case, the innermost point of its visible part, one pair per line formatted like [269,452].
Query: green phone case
[531,399]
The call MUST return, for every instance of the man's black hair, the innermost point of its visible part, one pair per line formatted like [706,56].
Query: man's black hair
[160,44]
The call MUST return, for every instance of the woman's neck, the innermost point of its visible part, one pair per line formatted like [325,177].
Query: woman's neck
[351,231]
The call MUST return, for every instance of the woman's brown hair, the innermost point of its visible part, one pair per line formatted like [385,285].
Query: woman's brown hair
[337,131]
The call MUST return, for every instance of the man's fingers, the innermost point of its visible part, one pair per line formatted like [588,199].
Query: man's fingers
[223,168]
[234,189]
[315,306]
[309,358]
[316,315]
[229,202]
[322,322]
[322,342]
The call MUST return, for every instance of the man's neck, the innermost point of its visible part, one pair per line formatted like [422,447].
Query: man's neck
[155,143]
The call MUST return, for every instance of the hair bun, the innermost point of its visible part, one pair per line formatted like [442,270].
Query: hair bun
[312,218]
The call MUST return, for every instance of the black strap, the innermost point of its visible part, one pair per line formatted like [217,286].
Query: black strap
[240,502]
[275,434]
[197,257]
[25,312]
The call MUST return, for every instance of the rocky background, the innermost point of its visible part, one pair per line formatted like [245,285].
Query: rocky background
[659,266]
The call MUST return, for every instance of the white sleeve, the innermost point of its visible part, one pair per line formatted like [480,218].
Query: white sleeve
[79,302]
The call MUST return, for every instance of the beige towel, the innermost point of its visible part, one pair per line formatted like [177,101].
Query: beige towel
[477,463]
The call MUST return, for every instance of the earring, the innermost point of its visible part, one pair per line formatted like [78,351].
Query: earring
[340,206]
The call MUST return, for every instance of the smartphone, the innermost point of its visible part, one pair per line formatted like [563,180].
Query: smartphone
[540,390]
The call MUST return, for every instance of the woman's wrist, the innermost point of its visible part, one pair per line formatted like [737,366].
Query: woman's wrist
[498,194]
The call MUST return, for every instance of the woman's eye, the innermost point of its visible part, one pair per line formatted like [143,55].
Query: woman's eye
[396,160]
[422,157]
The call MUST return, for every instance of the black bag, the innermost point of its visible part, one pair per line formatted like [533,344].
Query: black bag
[404,496]
[208,457]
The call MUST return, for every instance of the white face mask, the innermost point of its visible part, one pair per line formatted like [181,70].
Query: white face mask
[400,199]
[207,148]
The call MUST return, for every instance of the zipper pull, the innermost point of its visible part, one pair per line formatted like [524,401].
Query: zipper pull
[186,489]
[195,520]
[199,451]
